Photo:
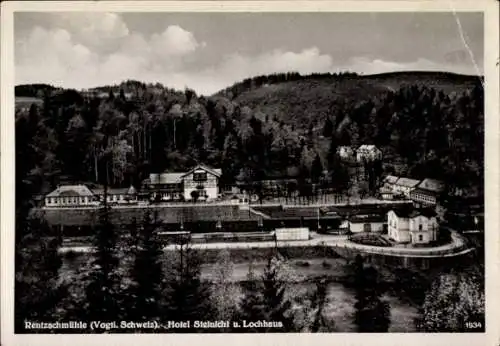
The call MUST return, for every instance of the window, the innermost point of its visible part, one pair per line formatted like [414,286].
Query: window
[420,237]
[201,176]
[419,227]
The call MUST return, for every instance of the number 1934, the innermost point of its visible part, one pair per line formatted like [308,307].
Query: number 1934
[473,325]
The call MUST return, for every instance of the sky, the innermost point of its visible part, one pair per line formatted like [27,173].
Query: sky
[210,51]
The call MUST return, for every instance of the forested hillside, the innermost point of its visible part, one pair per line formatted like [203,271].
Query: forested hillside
[426,124]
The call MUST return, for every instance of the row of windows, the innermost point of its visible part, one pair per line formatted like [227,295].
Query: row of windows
[81,200]
[67,200]
[421,197]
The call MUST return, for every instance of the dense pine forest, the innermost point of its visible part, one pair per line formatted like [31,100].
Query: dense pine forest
[284,125]
[428,126]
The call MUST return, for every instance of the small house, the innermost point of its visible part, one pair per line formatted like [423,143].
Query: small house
[367,223]
[70,196]
[404,186]
[412,226]
[368,153]
[427,192]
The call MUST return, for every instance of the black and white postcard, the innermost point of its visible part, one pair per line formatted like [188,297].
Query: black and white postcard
[250,172]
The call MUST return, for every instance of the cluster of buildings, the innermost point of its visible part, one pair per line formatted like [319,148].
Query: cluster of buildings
[365,153]
[402,225]
[200,183]
[422,192]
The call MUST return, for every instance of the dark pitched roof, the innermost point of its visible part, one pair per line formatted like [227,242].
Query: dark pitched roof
[410,213]
[432,185]
[71,190]
[423,212]
[367,218]
[214,171]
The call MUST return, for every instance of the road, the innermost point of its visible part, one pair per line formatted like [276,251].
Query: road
[456,247]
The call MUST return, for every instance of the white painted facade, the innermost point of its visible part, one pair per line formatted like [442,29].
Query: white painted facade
[415,228]
[368,153]
[398,228]
[202,180]
[369,226]
[423,229]
[301,233]
[70,196]
[405,186]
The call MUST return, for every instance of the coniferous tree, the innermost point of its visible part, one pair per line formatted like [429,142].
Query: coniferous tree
[372,314]
[188,297]
[316,169]
[452,301]
[320,322]
[38,290]
[103,291]
[223,292]
[251,307]
[277,306]
[146,288]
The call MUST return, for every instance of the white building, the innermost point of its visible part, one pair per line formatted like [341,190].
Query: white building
[427,192]
[81,196]
[368,152]
[345,152]
[415,227]
[284,234]
[367,223]
[404,186]
[70,196]
[201,182]
[117,196]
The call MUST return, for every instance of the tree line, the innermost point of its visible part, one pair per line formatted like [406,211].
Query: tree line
[422,132]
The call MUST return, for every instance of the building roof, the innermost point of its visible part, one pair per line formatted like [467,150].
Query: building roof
[391,179]
[409,213]
[426,212]
[432,185]
[407,182]
[165,178]
[385,190]
[402,212]
[214,171]
[71,190]
[367,218]
[115,191]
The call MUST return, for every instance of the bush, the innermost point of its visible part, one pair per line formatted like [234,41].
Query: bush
[326,264]
[302,264]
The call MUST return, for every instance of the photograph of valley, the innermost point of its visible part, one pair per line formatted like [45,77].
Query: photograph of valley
[265,172]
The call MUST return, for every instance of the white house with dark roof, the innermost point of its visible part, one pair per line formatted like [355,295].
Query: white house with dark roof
[117,195]
[412,226]
[201,182]
[81,196]
[368,152]
[404,186]
[70,196]
[367,223]
[345,152]
[427,192]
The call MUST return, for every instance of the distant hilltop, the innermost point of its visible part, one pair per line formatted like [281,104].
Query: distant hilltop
[390,80]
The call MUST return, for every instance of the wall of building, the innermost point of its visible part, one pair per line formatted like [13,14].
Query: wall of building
[68,201]
[292,233]
[357,227]
[210,185]
[212,192]
[424,237]
[398,228]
